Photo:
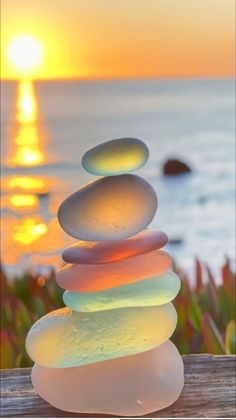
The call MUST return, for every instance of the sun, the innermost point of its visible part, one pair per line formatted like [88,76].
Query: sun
[25,52]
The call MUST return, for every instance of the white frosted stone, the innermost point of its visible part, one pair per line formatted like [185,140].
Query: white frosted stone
[129,386]
[109,209]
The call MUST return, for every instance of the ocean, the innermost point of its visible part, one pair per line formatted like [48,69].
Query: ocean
[47,126]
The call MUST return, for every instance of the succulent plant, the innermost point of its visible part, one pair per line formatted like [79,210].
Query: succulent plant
[206,312]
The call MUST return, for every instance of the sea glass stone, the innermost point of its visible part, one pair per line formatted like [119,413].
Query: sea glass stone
[109,209]
[92,277]
[83,252]
[65,338]
[150,292]
[129,386]
[116,157]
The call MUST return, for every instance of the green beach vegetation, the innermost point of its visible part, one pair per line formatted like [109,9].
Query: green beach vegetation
[206,312]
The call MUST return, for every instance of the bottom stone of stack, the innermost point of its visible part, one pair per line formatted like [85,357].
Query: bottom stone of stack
[128,386]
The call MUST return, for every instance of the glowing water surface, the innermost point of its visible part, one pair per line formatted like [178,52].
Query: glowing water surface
[190,119]
[30,233]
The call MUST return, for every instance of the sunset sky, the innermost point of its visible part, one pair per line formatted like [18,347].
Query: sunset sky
[122,38]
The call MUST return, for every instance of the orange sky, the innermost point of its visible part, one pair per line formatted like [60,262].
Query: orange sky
[123,38]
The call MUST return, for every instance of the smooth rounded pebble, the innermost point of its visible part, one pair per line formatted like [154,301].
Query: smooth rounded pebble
[64,338]
[150,292]
[83,252]
[129,386]
[116,157]
[92,277]
[109,208]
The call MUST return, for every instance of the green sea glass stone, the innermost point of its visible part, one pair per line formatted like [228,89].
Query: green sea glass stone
[65,338]
[149,292]
[116,157]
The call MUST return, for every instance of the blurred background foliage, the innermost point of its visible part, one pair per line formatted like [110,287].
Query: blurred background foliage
[206,312]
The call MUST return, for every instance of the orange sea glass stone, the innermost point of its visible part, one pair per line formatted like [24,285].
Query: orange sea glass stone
[92,278]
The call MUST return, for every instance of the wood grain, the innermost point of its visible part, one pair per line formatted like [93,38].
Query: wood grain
[209,391]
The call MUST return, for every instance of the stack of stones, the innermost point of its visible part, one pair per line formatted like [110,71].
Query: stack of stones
[108,351]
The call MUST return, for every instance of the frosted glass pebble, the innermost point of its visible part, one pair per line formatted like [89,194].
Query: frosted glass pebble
[64,338]
[83,252]
[116,157]
[110,208]
[129,386]
[150,292]
[92,277]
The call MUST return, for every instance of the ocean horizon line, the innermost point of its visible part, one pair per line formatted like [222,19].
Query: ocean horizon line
[120,79]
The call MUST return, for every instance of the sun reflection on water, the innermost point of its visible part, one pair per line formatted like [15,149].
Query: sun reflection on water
[26,103]
[27,142]
[20,203]
[23,200]
[27,150]
[30,232]
[28,183]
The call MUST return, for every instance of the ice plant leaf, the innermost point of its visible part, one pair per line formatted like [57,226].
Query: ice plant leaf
[230,338]
[198,271]
[228,278]
[213,305]
[212,337]
[6,351]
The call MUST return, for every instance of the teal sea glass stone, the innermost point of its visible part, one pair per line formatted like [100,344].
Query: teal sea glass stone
[65,338]
[149,292]
[116,157]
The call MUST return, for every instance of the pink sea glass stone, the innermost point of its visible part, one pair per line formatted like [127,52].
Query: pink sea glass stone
[92,278]
[129,386]
[83,252]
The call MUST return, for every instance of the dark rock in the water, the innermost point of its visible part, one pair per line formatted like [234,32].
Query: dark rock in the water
[202,200]
[175,241]
[175,167]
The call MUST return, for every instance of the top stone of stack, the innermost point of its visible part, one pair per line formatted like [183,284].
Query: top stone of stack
[116,157]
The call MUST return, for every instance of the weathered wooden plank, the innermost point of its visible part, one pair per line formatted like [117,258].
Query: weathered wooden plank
[209,392]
